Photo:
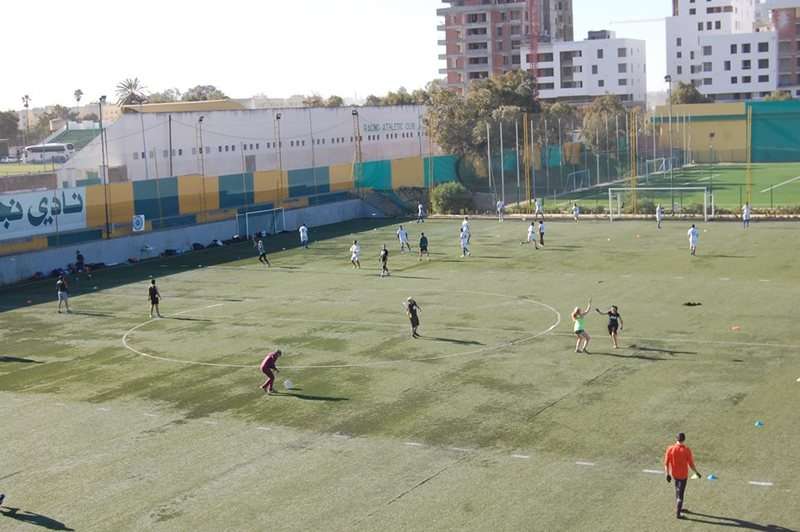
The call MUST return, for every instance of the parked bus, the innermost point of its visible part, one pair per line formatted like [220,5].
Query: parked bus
[49,153]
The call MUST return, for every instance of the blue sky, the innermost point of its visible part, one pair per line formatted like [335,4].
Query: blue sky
[347,47]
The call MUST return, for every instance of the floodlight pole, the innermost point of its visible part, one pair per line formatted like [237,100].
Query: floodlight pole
[668,79]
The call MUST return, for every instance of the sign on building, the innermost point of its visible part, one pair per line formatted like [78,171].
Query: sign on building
[29,214]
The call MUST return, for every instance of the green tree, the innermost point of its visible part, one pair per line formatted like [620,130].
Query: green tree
[91,117]
[334,101]
[9,125]
[600,124]
[130,91]
[315,100]
[78,95]
[373,101]
[687,93]
[165,96]
[779,96]
[203,93]
[451,198]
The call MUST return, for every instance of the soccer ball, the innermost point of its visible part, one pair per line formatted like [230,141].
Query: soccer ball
[288,384]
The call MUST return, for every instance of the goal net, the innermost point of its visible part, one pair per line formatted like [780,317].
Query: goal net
[269,221]
[661,165]
[675,201]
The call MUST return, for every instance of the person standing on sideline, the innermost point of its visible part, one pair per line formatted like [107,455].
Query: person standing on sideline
[267,367]
[614,324]
[262,254]
[303,236]
[576,212]
[694,236]
[464,240]
[402,236]
[537,203]
[384,260]
[541,232]
[423,247]
[155,297]
[412,311]
[465,228]
[677,461]
[659,215]
[746,212]
[501,210]
[80,262]
[420,213]
[355,255]
[532,235]
[62,290]
[579,318]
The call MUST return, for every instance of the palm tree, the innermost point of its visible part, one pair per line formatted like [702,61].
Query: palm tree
[130,91]
[78,95]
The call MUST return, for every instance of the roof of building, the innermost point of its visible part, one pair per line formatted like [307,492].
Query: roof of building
[79,138]
[185,107]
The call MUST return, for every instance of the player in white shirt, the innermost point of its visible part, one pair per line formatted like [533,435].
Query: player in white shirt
[576,212]
[501,208]
[532,235]
[694,236]
[659,215]
[464,240]
[355,255]
[303,236]
[402,236]
[465,228]
[420,214]
[537,203]
[746,212]
[262,253]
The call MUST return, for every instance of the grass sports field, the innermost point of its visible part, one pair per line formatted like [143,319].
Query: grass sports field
[24,168]
[775,185]
[491,421]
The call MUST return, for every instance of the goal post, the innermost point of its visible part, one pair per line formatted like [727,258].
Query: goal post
[674,200]
[268,221]
[660,165]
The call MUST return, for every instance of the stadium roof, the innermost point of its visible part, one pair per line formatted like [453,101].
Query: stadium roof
[185,107]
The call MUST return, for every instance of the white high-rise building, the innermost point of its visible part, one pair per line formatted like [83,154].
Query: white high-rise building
[729,49]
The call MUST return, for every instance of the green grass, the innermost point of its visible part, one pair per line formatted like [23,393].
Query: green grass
[729,185]
[24,168]
[411,434]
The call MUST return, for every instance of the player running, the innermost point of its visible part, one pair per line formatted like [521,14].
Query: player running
[677,461]
[747,211]
[384,261]
[155,297]
[303,236]
[402,236]
[355,255]
[541,232]
[576,212]
[614,324]
[420,213]
[262,253]
[694,236]
[532,235]
[465,228]
[501,210]
[62,291]
[537,204]
[579,317]
[267,367]
[412,311]
[659,215]
[464,240]
[423,247]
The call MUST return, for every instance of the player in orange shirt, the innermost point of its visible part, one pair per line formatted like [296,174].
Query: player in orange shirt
[677,461]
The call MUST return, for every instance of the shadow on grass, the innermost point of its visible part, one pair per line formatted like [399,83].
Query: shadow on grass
[93,314]
[28,293]
[720,520]
[657,350]
[451,340]
[19,360]
[307,397]
[718,256]
[178,318]
[32,518]
[621,355]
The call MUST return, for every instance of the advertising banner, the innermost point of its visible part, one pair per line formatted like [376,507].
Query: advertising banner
[29,214]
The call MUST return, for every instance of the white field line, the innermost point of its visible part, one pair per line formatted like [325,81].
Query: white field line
[413,444]
[773,187]
[103,409]
[760,483]
[583,463]
[460,449]
[150,415]
[263,428]
[520,456]
[652,471]
[709,177]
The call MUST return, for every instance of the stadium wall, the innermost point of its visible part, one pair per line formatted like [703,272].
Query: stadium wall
[35,256]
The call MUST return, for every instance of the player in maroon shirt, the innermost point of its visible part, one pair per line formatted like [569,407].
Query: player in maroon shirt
[267,365]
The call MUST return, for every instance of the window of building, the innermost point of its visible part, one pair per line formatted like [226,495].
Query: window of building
[594,69]
[680,70]
[680,55]
[717,25]
[291,144]
[734,80]
[733,48]
[707,67]
[707,50]
[476,18]
[699,26]
[763,63]
[477,46]
[622,52]
[515,59]
[746,79]
[763,47]
[746,64]
[136,156]
[746,48]
[499,31]
[233,147]
[478,60]
[258,146]
[691,56]
[165,153]
[622,68]
[622,82]
[600,53]
[763,79]
[601,83]
[499,46]
[709,25]
[727,66]
[476,31]
[180,152]
[678,41]
[707,81]
[219,149]
[692,11]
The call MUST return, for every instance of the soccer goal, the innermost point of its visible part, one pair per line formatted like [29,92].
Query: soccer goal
[269,221]
[673,201]
[661,165]
[580,179]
